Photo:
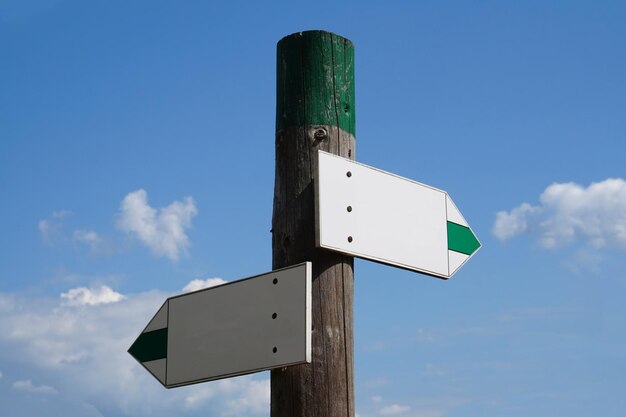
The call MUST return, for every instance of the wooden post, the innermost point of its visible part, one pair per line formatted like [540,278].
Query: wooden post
[314,110]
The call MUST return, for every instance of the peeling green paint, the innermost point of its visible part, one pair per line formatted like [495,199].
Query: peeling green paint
[315,81]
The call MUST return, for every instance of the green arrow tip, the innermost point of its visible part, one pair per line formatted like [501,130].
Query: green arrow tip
[461,239]
[150,346]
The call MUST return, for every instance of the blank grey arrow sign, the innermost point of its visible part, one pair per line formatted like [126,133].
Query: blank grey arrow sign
[245,326]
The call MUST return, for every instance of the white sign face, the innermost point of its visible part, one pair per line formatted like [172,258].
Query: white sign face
[372,214]
[240,327]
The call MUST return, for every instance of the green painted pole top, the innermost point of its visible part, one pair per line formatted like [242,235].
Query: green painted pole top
[315,81]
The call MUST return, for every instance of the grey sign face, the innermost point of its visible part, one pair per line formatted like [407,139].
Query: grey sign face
[254,324]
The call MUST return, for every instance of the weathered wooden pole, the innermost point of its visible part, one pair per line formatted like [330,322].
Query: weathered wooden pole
[314,110]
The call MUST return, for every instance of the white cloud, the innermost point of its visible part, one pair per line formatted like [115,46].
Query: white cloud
[82,353]
[28,386]
[162,230]
[199,284]
[515,222]
[394,409]
[569,212]
[82,296]
[89,238]
[1,375]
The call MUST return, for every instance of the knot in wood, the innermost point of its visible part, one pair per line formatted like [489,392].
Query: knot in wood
[320,134]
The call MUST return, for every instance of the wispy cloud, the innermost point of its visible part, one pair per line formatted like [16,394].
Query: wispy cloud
[570,212]
[394,410]
[256,398]
[28,386]
[51,228]
[53,232]
[89,238]
[81,354]
[424,336]
[199,284]
[162,230]
[586,261]
[375,346]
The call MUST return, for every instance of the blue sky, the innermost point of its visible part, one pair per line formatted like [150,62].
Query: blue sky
[137,155]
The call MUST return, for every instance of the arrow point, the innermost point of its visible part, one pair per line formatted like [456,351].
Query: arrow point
[462,239]
[152,342]
[150,346]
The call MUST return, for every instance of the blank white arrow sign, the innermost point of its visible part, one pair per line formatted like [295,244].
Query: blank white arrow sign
[365,212]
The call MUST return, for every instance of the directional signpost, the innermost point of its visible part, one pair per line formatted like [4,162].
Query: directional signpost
[365,212]
[236,328]
[297,321]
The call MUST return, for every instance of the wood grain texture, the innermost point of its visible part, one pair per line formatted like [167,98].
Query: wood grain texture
[315,110]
